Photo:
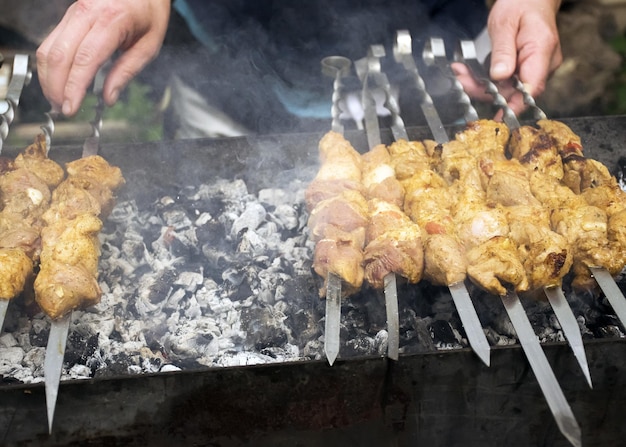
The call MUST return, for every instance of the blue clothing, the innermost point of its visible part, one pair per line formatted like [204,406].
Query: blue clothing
[276,46]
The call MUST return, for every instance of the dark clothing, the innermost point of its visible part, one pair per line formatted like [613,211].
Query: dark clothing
[260,60]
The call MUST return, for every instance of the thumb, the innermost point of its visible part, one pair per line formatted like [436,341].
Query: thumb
[503,54]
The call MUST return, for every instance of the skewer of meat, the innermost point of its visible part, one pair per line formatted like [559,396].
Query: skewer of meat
[440,246]
[393,242]
[25,185]
[338,216]
[561,410]
[592,181]
[584,224]
[68,273]
[483,228]
[338,213]
[429,203]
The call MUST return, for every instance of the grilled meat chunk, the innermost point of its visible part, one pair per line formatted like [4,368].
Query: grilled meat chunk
[379,177]
[341,253]
[495,264]
[340,170]
[35,159]
[348,211]
[16,267]
[393,245]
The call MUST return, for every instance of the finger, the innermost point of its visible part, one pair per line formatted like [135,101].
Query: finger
[536,64]
[43,62]
[516,103]
[126,67]
[504,49]
[94,50]
[55,55]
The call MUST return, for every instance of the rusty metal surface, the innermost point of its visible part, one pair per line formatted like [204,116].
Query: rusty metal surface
[447,398]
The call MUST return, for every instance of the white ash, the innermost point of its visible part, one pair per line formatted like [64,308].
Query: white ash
[214,276]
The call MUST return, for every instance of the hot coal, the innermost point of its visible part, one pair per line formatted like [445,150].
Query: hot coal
[215,275]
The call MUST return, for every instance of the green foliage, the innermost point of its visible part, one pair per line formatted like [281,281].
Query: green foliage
[135,107]
[617,106]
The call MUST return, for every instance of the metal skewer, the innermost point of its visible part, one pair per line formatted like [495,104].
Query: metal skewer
[611,291]
[59,329]
[568,323]
[370,73]
[543,371]
[20,77]
[336,67]
[403,53]
[526,335]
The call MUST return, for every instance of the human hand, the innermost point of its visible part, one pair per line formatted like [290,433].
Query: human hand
[525,42]
[89,33]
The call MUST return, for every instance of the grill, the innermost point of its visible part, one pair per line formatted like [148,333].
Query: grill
[211,330]
[274,386]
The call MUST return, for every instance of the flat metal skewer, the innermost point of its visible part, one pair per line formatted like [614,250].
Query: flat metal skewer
[557,299]
[53,363]
[544,374]
[568,323]
[611,291]
[368,70]
[4,305]
[336,67]
[403,53]
[333,318]
[59,328]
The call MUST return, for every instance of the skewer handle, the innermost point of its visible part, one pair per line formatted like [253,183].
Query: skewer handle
[434,54]
[336,67]
[466,54]
[20,76]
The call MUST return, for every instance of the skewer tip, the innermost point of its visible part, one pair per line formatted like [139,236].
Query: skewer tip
[333,318]
[4,304]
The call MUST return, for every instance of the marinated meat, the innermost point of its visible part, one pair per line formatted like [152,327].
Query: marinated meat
[393,245]
[510,210]
[16,267]
[338,214]
[25,185]
[68,270]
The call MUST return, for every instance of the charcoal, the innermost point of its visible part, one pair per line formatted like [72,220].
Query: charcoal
[39,331]
[442,332]
[361,345]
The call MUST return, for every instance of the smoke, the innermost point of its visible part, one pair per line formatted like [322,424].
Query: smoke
[259,62]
